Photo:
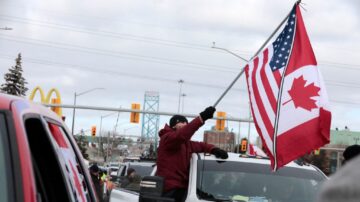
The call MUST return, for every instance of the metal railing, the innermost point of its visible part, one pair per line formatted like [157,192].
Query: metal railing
[141,111]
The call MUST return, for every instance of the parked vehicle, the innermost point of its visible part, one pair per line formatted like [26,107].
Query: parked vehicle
[141,168]
[39,158]
[237,178]
[131,159]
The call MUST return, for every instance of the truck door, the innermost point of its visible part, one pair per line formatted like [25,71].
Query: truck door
[75,172]
[10,174]
[50,173]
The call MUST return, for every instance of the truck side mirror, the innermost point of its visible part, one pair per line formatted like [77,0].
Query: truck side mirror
[151,188]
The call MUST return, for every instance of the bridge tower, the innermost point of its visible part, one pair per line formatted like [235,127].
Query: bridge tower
[150,122]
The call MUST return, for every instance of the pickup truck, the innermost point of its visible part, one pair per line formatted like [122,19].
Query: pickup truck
[238,178]
[39,158]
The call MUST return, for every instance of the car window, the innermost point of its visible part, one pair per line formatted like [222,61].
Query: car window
[132,183]
[73,169]
[51,183]
[121,171]
[4,164]
[236,180]
[142,170]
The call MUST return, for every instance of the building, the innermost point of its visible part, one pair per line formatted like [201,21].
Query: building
[221,139]
[330,156]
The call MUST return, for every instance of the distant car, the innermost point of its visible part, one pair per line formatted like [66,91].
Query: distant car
[141,168]
[114,164]
[131,159]
[39,158]
[112,170]
[238,178]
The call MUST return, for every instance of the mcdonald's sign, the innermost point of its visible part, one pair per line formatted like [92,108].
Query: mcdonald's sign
[46,100]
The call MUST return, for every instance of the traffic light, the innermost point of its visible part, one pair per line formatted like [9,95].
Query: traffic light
[135,116]
[57,110]
[243,145]
[93,131]
[220,123]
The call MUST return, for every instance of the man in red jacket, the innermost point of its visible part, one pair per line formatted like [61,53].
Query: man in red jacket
[175,149]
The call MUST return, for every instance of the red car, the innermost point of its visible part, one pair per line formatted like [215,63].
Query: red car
[39,158]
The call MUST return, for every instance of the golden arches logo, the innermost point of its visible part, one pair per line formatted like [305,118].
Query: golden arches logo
[46,100]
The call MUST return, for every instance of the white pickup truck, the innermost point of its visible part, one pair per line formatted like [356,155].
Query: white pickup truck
[238,178]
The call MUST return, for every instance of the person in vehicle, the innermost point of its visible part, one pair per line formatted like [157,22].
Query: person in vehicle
[130,176]
[132,180]
[94,172]
[175,151]
[344,185]
[350,152]
[285,190]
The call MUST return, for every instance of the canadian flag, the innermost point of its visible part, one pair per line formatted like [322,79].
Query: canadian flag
[288,97]
[256,151]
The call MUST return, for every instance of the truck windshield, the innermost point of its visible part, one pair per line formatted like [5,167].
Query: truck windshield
[237,181]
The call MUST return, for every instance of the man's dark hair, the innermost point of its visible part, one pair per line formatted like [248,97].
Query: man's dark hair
[94,168]
[177,119]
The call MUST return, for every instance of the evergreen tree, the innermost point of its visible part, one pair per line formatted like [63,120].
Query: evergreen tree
[81,142]
[14,80]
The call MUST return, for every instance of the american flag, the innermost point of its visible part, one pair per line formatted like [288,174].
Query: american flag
[270,76]
[282,45]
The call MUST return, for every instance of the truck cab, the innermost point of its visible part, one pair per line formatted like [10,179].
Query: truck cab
[238,178]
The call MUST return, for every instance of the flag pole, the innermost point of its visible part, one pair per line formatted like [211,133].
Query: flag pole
[243,69]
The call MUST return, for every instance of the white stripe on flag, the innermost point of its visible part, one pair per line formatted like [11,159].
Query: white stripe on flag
[270,75]
[269,112]
[256,112]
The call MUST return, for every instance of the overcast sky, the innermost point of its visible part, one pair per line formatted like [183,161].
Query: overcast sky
[129,47]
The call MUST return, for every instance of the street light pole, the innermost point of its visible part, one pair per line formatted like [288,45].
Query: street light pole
[180,82]
[101,118]
[73,119]
[100,130]
[76,95]
[183,101]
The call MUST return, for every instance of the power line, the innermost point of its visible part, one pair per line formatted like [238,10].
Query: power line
[345,102]
[111,72]
[230,70]
[342,82]
[155,40]
[355,67]
[114,34]
[137,57]
[125,55]
[117,73]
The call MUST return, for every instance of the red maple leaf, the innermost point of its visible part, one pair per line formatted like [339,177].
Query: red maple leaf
[301,94]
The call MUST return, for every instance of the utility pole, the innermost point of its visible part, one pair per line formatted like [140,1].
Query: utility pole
[248,145]
[114,132]
[107,147]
